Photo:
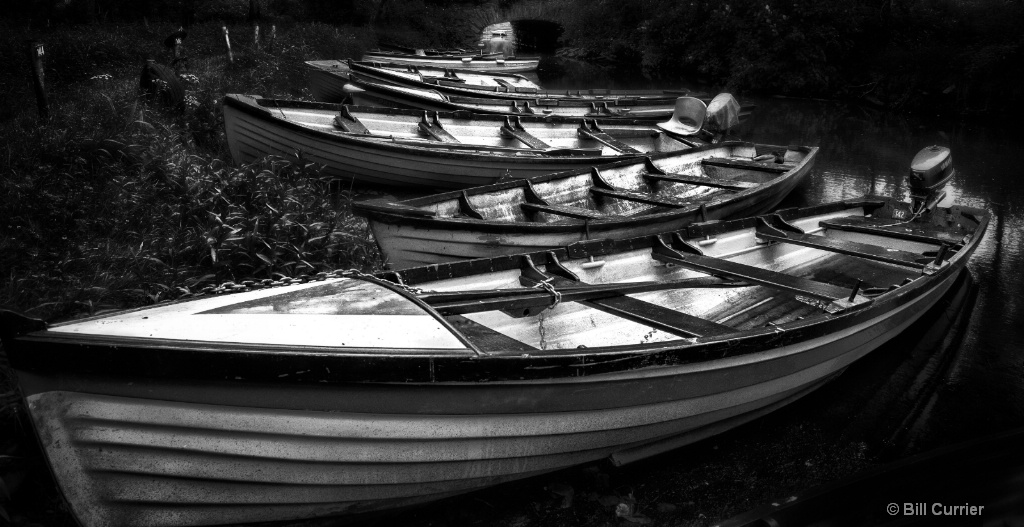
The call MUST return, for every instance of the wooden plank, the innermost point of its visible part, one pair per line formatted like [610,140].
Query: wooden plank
[571,212]
[893,229]
[432,128]
[349,123]
[514,128]
[486,338]
[749,273]
[590,129]
[648,314]
[637,197]
[702,181]
[860,250]
[462,302]
[748,165]
[655,316]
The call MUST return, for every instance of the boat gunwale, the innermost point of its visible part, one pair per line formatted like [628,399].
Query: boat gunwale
[42,351]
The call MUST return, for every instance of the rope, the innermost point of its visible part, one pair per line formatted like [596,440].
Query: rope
[914,216]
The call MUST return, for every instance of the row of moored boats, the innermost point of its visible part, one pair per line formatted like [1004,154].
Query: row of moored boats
[601,276]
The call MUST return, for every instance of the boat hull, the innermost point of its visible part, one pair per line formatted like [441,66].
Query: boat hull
[157,454]
[252,134]
[390,96]
[474,64]
[409,241]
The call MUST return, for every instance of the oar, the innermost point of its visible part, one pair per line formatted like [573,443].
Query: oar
[461,302]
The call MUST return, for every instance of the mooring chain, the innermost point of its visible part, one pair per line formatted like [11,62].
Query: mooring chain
[349,273]
[556,296]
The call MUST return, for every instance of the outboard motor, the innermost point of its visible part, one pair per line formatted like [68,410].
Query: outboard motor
[930,170]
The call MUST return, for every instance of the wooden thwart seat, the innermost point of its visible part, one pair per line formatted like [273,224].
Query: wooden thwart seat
[757,275]
[638,198]
[349,123]
[591,130]
[431,126]
[601,187]
[860,250]
[746,165]
[486,338]
[514,128]
[655,316]
[654,173]
[561,210]
[892,229]
[642,312]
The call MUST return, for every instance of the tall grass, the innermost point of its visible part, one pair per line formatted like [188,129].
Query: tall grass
[112,203]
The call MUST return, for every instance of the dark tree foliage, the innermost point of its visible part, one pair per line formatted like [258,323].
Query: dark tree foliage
[909,54]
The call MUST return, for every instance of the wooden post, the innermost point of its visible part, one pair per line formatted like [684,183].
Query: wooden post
[177,50]
[256,36]
[227,42]
[36,52]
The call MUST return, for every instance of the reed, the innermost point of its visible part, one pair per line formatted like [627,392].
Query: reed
[113,203]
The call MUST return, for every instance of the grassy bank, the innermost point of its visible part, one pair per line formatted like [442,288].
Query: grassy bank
[112,202]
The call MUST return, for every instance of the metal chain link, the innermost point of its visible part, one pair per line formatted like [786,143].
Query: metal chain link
[251,285]
[555,294]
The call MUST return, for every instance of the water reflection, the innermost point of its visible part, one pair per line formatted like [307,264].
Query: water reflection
[957,374]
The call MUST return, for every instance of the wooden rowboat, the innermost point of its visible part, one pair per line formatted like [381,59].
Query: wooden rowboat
[660,193]
[327,78]
[426,149]
[364,92]
[486,64]
[353,393]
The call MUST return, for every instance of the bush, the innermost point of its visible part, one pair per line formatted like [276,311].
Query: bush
[112,203]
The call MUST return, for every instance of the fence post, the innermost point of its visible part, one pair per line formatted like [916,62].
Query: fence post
[227,42]
[273,36]
[177,50]
[256,36]
[36,52]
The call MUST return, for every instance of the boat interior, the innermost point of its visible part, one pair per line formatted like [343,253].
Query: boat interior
[684,180]
[763,276]
[467,131]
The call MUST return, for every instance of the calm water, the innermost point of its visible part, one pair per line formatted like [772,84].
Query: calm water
[957,374]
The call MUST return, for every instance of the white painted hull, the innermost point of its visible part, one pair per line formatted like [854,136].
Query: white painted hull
[133,461]
[251,137]
[136,434]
